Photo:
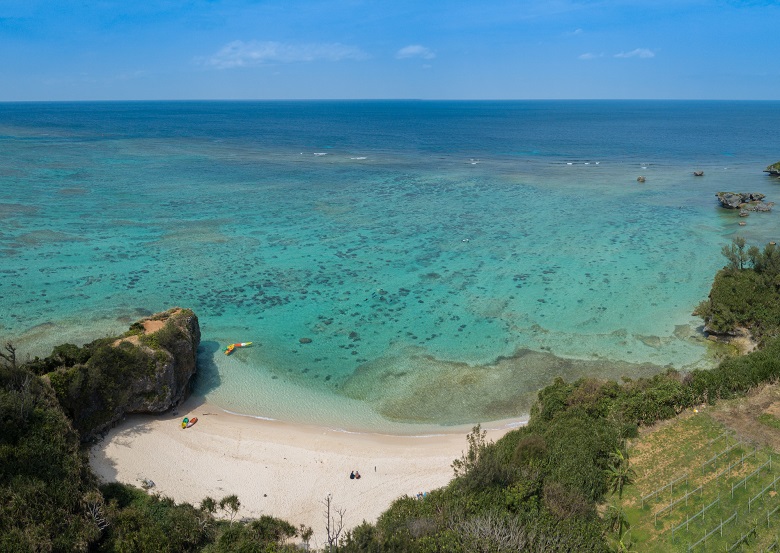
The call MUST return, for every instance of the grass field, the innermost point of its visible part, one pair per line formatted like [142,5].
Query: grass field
[707,481]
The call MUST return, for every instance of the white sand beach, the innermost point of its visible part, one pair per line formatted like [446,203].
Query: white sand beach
[275,468]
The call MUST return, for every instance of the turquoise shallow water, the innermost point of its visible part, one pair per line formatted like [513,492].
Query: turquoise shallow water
[445,259]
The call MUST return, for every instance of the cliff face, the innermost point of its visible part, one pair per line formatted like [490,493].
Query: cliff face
[171,339]
[147,370]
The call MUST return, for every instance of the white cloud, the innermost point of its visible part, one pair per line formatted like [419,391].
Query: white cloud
[638,53]
[589,56]
[246,54]
[576,32]
[415,51]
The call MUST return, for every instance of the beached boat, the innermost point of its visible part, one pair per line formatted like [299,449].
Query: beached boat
[192,421]
[228,350]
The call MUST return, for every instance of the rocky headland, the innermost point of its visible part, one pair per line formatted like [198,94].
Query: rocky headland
[146,370]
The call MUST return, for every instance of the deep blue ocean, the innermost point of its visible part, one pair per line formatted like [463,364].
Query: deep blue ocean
[445,259]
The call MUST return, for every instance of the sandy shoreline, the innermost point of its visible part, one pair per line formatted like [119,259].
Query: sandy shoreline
[276,468]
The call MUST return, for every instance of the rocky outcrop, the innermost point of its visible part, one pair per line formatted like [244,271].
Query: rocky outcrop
[773,170]
[747,201]
[172,338]
[146,370]
[740,338]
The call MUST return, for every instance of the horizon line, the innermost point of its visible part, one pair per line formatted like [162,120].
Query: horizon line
[474,100]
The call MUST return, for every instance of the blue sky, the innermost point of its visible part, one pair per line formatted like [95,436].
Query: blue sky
[429,49]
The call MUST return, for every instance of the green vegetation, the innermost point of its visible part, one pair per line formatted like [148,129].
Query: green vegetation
[576,478]
[50,501]
[539,488]
[94,383]
[92,392]
[142,522]
[746,293]
[693,474]
[45,483]
[769,420]
[773,169]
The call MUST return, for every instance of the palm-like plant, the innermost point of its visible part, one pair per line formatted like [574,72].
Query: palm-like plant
[619,472]
[616,520]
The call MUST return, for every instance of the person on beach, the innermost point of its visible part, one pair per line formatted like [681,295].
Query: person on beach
[352,475]
[357,475]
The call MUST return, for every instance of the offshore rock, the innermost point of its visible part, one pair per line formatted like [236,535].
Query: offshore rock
[749,201]
[146,370]
[773,170]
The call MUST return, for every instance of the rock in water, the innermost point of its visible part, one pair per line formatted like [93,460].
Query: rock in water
[773,170]
[750,201]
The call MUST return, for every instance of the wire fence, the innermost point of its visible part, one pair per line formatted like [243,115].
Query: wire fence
[689,519]
[674,504]
[762,492]
[735,463]
[717,456]
[719,527]
[670,485]
[751,475]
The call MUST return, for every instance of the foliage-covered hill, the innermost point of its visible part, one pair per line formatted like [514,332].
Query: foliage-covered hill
[745,293]
[46,488]
[50,500]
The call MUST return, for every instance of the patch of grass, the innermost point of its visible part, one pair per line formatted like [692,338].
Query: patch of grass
[769,420]
[707,460]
